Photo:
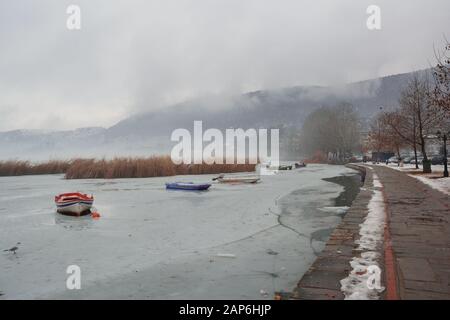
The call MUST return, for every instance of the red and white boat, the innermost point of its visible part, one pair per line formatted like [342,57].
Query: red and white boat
[74,203]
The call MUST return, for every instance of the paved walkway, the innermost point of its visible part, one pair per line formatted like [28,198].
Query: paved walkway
[419,230]
[416,262]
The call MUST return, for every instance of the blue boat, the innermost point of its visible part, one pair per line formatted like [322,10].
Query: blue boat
[187,186]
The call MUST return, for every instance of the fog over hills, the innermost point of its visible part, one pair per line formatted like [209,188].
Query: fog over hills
[149,133]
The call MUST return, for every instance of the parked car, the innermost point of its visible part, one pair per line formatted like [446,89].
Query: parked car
[419,160]
[357,159]
[393,159]
[407,160]
[437,159]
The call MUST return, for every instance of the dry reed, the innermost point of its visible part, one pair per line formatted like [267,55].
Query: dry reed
[156,166]
[21,168]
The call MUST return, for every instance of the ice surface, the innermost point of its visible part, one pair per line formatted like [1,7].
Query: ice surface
[153,243]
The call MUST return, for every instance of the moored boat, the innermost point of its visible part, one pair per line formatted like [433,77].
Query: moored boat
[237,179]
[74,203]
[188,186]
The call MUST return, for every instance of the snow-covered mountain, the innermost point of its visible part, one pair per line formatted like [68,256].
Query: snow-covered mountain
[149,133]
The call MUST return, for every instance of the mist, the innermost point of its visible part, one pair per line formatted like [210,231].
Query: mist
[137,56]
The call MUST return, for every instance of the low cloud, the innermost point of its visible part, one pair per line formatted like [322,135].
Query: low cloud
[134,56]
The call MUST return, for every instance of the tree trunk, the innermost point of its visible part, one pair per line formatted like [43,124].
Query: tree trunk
[422,146]
[415,155]
[415,141]
[398,155]
[422,138]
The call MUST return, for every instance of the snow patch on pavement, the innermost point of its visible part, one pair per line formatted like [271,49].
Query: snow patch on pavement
[433,180]
[356,285]
[440,184]
[377,183]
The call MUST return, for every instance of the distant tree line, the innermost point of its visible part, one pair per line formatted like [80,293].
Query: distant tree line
[332,131]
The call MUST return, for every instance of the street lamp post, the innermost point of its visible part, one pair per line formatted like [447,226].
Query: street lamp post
[444,138]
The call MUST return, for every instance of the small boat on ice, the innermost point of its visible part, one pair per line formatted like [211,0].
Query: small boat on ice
[237,179]
[74,203]
[187,186]
[300,165]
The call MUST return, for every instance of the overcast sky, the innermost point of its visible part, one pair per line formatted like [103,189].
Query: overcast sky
[131,56]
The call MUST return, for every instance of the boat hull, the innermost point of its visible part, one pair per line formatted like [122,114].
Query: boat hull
[187,186]
[75,209]
[238,179]
[74,204]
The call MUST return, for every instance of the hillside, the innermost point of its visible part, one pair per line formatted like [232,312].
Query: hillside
[149,133]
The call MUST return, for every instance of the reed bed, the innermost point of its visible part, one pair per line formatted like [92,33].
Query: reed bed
[160,166]
[157,166]
[22,168]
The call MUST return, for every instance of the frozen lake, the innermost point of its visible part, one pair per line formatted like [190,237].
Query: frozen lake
[159,244]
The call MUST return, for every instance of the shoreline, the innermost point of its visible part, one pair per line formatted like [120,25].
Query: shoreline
[407,240]
[322,280]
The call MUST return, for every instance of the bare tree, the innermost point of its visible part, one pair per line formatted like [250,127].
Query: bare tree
[315,131]
[376,138]
[416,118]
[382,136]
[440,95]
[347,130]
[332,131]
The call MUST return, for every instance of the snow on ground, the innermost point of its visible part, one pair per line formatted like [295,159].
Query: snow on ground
[435,179]
[358,285]
[441,184]
[338,210]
